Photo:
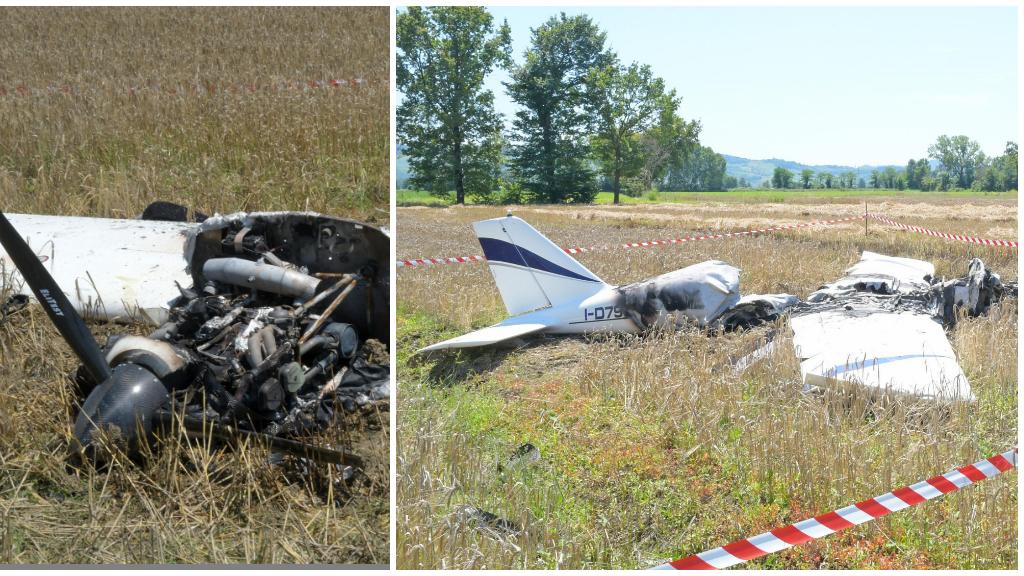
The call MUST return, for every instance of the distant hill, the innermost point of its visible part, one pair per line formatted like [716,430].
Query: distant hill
[757,171]
[754,171]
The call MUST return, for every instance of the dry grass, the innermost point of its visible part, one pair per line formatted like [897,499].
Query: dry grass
[654,448]
[104,152]
[192,502]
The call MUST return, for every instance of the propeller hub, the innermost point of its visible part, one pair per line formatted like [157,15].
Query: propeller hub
[123,409]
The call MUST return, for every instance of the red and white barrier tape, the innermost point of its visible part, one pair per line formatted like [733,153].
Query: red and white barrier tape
[959,237]
[192,88]
[859,513]
[420,262]
[415,262]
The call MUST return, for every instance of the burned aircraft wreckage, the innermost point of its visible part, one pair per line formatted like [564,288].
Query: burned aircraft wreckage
[268,323]
[880,326]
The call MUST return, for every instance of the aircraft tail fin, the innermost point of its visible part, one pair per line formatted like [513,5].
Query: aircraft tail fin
[531,271]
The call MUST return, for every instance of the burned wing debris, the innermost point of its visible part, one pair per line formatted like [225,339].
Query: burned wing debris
[881,326]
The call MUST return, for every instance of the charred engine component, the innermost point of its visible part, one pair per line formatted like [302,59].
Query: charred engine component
[282,308]
[754,310]
[271,278]
[309,244]
[975,293]
[280,312]
[268,341]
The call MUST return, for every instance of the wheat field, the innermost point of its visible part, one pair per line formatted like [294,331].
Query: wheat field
[105,110]
[101,115]
[653,448]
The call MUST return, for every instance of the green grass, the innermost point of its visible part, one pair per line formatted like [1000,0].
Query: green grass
[583,446]
[607,478]
[421,198]
[405,197]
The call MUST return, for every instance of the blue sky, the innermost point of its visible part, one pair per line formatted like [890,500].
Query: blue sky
[851,86]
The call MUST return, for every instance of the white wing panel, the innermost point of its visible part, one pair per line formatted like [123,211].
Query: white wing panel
[900,353]
[109,268]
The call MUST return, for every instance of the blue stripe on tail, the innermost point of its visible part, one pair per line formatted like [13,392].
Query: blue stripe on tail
[501,251]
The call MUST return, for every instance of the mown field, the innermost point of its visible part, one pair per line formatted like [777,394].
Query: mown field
[409,198]
[94,120]
[654,448]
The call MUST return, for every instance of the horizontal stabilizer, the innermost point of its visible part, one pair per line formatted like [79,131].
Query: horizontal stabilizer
[486,336]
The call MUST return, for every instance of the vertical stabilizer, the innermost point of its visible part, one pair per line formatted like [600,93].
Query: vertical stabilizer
[531,271]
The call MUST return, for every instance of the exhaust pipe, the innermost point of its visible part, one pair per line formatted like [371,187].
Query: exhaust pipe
[263,277]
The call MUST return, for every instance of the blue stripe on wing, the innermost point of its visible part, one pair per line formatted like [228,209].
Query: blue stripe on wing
[501,251]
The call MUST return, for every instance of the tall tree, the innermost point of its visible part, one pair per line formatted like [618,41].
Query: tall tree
[819,180]
[668,145]
[889,177]
[912,175]
[626,102]
[703,170]
[923,172]
[999,173]
[849,179]
[781,178]
[987,176]
[806,175]
[446,121]
[549,155]
[960,158]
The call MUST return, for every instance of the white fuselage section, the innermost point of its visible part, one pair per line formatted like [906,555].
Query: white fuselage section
[545,290]
[597,313]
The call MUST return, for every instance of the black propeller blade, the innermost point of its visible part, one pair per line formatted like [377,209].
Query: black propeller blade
[56,304]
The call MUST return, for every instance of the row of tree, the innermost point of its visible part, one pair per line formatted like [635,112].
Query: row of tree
[784,178]
[585,120]
[958,160]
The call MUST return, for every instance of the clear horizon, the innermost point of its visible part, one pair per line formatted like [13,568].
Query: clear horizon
[816,85]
